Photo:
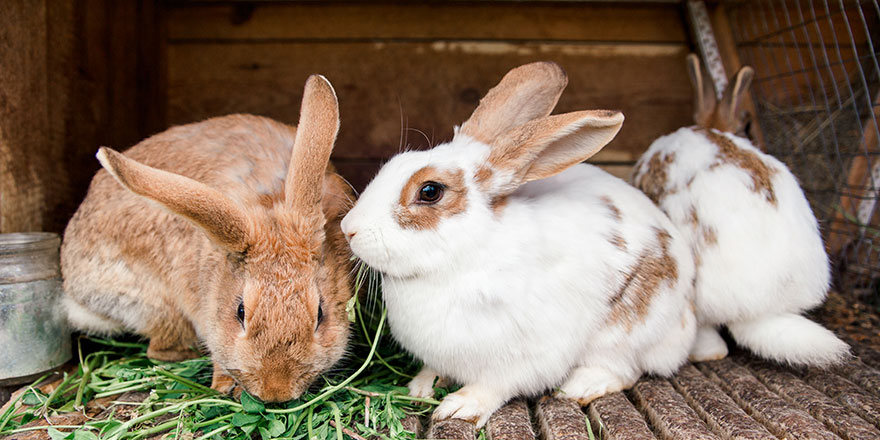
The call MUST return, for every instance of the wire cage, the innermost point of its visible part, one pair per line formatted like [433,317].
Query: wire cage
[817,98]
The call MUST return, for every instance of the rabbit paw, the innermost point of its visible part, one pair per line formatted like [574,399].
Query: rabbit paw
[471,404]
[224,383]
[709,346]
[423,384]
[586,384]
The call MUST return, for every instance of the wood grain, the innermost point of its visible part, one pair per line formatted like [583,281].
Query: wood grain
[431,21]
[410,95]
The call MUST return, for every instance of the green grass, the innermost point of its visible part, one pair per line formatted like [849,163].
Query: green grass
[365,397]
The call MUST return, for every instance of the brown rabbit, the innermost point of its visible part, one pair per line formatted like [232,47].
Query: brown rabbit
[212,239]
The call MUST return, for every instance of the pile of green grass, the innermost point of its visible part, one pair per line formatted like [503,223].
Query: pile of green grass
[365,397]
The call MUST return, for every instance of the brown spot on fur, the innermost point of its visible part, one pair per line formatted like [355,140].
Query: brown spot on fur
[615,211]
[413,215]
[653,181]
[618,241]
[482,177]
[497,204]
[692,218]
[710,236]
[748,161]
[655,266]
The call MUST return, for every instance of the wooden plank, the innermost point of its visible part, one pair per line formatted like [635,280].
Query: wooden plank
[784,420]
[25,162]
[844,423]
[850,395]
[453,429]
[511,422]
[668,412]
[718,409]
[431,21]
[383,88]
[618,419]
[103,58]
[560,419]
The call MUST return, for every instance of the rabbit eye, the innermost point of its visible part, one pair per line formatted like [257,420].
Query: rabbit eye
[430,192]
[241,312]
[320,315]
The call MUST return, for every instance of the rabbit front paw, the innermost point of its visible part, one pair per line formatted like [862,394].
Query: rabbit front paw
[470,403]
[423,384]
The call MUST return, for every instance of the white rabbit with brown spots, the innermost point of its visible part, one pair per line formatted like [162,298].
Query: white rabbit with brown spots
[222,234]
[757,247]
[512,269]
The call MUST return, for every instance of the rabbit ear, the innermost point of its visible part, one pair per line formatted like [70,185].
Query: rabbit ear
[704,91]
[217,215]
[525,93]
[315,135]
[729,112]
[547,146]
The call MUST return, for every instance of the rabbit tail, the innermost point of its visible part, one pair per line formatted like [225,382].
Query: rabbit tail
[791,339]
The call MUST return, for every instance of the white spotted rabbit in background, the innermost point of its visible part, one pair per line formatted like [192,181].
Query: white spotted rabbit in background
[512,269]
[757,247]
[221,245]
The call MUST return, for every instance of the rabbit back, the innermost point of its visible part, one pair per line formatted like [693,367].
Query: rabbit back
[755,240]
[128,260]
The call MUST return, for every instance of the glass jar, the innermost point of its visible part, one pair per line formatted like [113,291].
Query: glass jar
[34,337]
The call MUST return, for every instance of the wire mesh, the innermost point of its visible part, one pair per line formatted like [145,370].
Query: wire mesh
[817,98]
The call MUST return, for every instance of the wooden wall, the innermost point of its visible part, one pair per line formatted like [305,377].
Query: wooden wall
[85,73]
[73,76]
[406,73]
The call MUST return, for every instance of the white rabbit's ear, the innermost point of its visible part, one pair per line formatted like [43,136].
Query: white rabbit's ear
[704,92]
[315,136]
[525,93]
[223,221]
[547,146]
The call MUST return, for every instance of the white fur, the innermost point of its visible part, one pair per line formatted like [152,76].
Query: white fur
[515,303]
[768,260]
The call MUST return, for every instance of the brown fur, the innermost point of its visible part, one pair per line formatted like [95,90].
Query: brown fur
[413,215]
[497,204]
[748,161]
[710,236]
[612,208]
[654,267]
[156,274]
[653,181]
[483,178]
[618,241]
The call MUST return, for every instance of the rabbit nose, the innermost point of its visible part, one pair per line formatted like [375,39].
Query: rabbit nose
[350,235]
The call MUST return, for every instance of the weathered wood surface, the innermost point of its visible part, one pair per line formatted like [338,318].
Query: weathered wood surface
[75,76]
[739,397]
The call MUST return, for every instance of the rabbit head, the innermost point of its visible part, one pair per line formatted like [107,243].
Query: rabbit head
[273,286]
[726,115]
[425,208]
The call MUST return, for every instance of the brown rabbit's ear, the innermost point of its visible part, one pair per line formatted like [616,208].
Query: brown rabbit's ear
[730,114]
[525,93]
[217,215]
[704,92]
[547,146]
[315,135]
